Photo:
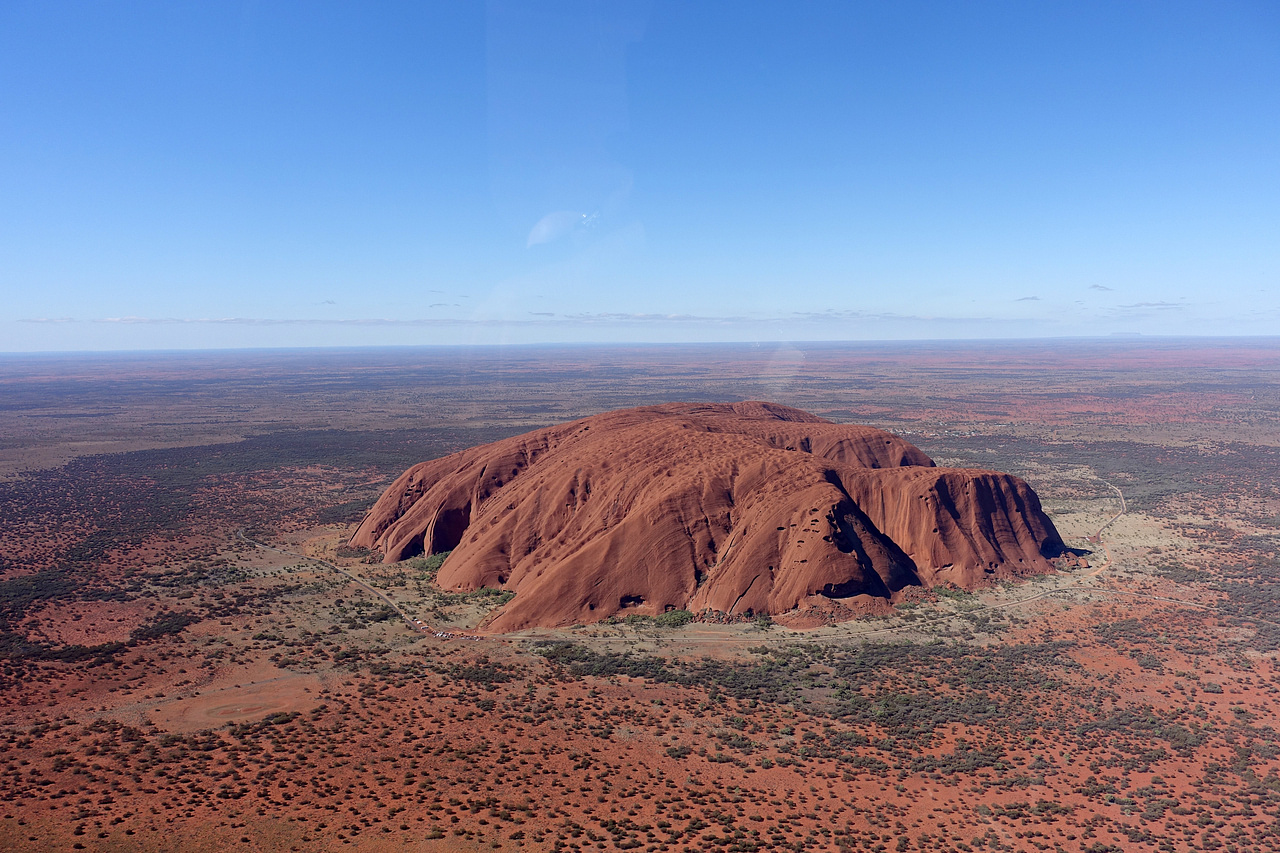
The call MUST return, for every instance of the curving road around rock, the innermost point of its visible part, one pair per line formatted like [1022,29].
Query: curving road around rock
[372,590]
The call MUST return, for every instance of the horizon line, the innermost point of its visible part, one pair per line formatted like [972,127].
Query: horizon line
[1113,337]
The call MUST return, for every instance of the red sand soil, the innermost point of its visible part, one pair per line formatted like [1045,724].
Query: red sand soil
[451,747]
[87,623]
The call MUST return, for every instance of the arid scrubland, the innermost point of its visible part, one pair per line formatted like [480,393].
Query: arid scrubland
[167,684]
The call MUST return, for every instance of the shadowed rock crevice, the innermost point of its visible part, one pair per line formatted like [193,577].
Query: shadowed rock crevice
[737,508]
[448,529]
[854,534]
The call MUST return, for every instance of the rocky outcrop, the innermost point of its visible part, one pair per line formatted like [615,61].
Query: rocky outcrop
[744,508]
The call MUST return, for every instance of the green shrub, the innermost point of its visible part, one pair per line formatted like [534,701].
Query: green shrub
[428,565]
[673,619]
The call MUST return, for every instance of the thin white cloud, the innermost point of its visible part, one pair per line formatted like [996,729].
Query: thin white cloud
[281,321]
[553,319]
[886,316]
[619,317]
[553,226]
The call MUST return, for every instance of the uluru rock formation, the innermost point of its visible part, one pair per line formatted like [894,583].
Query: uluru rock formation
[743,508]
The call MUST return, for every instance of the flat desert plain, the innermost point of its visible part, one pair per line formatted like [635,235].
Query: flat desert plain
[193,657]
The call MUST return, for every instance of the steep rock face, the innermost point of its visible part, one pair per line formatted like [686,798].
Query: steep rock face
[742,508]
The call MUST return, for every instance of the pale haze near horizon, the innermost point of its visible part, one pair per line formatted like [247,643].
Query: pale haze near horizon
[326,174]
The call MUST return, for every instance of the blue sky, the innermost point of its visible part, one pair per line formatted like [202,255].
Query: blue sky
[300,174]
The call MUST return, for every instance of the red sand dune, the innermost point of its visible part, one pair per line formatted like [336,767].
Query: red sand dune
[743,508]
